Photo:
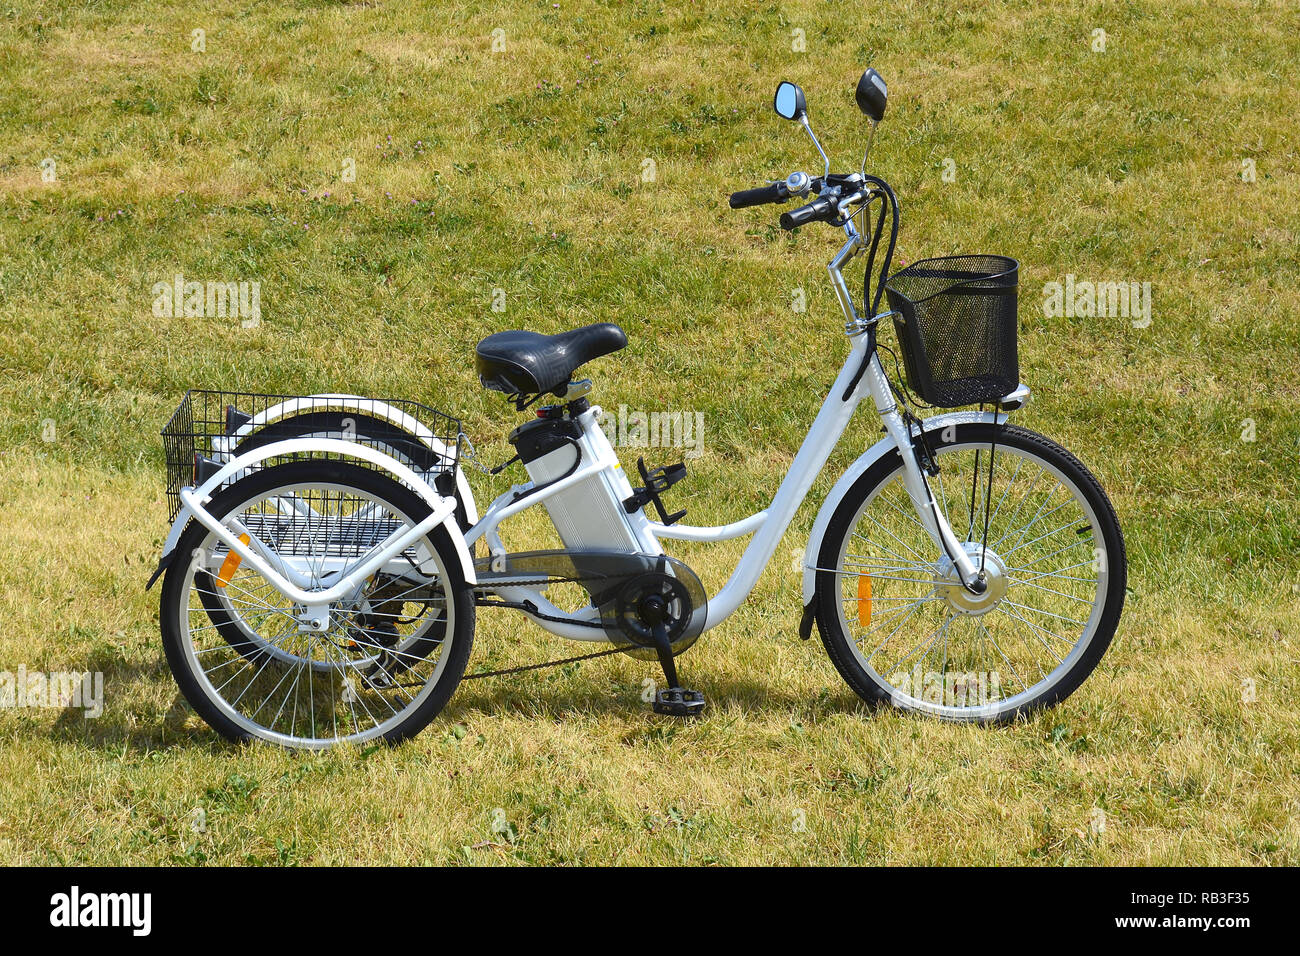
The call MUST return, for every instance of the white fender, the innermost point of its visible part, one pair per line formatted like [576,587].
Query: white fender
[334,446]
[872,455]
[364,406]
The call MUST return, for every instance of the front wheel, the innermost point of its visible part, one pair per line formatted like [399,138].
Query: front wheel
[901,628]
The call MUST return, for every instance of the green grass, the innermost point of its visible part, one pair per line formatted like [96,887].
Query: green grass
[503,171]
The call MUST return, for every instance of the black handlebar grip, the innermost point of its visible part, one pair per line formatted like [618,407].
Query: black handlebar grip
[760,196]
[819,210]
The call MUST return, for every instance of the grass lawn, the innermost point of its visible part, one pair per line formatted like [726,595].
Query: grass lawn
[389,172]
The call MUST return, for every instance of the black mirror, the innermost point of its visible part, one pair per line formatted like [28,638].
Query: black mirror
[871,95]
[788,101]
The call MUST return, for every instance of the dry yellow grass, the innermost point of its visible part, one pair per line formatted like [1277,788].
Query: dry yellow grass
[503,171]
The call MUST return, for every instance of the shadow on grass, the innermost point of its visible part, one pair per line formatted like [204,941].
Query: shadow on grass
[130,727]
[546,697]
[552,700]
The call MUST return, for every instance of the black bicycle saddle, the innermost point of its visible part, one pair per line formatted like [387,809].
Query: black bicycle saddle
[529,363]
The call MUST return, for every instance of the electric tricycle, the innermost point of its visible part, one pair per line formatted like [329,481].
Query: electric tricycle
[327,555]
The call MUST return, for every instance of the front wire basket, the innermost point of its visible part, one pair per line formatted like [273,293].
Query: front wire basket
[210,428]
[956,324]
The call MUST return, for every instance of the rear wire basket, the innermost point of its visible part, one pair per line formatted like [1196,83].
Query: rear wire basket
[956,324]
[210,428]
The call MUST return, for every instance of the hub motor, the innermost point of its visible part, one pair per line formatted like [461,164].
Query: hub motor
[959,598]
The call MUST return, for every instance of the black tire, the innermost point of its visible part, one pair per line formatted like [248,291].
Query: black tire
[829,600]
[175,590]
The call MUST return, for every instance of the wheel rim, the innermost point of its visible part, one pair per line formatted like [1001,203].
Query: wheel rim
[929,643]
[386,645]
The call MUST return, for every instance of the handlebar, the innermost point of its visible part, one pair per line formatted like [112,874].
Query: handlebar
[822,209]
[776,192]
[835,193]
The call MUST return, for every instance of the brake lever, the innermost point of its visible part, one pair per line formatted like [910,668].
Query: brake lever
[861,196]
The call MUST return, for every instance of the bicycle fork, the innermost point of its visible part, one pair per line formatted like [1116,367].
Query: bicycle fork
[927,508]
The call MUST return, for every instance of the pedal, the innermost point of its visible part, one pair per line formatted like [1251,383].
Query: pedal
[678,702]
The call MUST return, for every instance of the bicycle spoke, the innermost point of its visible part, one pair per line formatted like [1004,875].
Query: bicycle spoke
[891,553]
[1027,607]
[1025,530]
[901,622]
[1043,630]
[1037,588]
[1071,597]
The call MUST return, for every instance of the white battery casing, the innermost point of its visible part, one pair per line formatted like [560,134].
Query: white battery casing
[590,516]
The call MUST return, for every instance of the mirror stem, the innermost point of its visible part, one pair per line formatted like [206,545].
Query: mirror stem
[871,135]
[803,118]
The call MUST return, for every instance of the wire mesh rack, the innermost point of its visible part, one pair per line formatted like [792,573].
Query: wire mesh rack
[210,428]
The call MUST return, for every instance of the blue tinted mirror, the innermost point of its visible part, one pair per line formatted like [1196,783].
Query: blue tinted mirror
[788,103]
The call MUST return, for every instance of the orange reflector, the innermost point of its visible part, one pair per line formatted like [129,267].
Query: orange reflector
[231,565]
[864,599]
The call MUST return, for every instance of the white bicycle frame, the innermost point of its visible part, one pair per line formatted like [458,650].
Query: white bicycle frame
[769,525]
[851,386]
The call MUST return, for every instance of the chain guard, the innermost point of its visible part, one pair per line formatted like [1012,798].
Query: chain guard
[616,582]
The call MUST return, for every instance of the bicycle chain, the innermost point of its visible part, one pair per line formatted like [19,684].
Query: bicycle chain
[537,667]
[534,667]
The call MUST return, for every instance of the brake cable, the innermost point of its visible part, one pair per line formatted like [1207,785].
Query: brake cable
[871,256]
[888,193]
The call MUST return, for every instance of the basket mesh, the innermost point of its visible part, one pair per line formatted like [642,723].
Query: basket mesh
[210,428]
[956,324]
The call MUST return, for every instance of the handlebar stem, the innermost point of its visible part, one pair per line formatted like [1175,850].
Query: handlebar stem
[853,325]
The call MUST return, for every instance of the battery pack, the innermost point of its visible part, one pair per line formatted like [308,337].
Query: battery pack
[588,515]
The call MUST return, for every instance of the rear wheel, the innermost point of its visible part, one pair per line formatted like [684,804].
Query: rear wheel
[393,651]
[900,627]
